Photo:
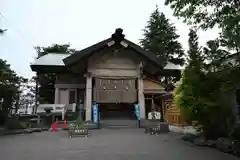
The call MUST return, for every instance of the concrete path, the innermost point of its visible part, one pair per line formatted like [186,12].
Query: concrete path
[105,144]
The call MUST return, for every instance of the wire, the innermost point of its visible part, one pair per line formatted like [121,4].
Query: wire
[20,33]
[17,30]
[1,14]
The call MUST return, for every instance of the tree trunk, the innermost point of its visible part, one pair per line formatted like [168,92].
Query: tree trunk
[6,108]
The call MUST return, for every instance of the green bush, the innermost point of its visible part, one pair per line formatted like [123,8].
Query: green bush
[236,133]
[79,122]
[13,124]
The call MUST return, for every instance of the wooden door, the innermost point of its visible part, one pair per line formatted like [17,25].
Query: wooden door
[63,96]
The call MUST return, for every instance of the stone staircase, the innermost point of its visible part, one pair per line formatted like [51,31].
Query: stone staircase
[111,124]
[118,123]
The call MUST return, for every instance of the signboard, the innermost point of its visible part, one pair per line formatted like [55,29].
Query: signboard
[154,115]
[95,113]
[137,111]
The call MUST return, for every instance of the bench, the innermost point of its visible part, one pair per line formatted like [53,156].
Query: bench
[77,130]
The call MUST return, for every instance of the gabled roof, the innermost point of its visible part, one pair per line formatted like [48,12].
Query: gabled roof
[50,63]
[51,59]
[56,59]
[57,62]
[117,37]
[171,66]
[156,81]
[84,52]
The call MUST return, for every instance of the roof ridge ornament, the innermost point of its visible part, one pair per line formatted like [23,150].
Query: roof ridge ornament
[118,36]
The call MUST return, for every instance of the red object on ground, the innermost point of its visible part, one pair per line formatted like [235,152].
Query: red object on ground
[56,124]
[64,124]
[54,127]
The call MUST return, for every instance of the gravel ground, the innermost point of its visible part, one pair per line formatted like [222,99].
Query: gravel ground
[104,144]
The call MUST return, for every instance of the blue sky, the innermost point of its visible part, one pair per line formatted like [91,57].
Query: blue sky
[78,22]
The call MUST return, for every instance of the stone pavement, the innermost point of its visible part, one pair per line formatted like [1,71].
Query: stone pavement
[104,144]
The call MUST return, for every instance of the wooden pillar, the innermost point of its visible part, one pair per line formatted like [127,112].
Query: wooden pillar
[141,98]
[56,99]
[34,109]
[89,97]
[152,104]
[153,108]
[161,111]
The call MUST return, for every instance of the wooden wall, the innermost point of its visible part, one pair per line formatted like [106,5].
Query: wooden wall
[172,114]
[115,72]
[69,79]
[115,63]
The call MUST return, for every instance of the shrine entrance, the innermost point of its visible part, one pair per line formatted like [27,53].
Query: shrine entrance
[119,111]
[116,97]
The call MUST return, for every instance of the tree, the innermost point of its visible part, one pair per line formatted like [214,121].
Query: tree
[47,80]
[27,92]
[199,94]
[9,88]
[220,78]
[215,57]
[187,93]
[224,14]
[55,48]
[159,36]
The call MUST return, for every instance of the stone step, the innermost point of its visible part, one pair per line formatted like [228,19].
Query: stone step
[119,124]
[118,127]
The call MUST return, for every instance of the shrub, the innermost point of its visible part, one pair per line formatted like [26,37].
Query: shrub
[13,124]
[79,122]
[236,132]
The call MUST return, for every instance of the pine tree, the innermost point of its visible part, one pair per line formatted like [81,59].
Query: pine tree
[159,37]
[195,56]
[186,95]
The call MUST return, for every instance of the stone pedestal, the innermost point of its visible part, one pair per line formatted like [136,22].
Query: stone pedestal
[163,126]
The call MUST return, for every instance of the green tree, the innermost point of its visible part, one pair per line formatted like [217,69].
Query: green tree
[187,93]
[215,57]
[27,94]
[55,48]
[47,80]
[159,36]
[199,94]
[224,14]
[9,89]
